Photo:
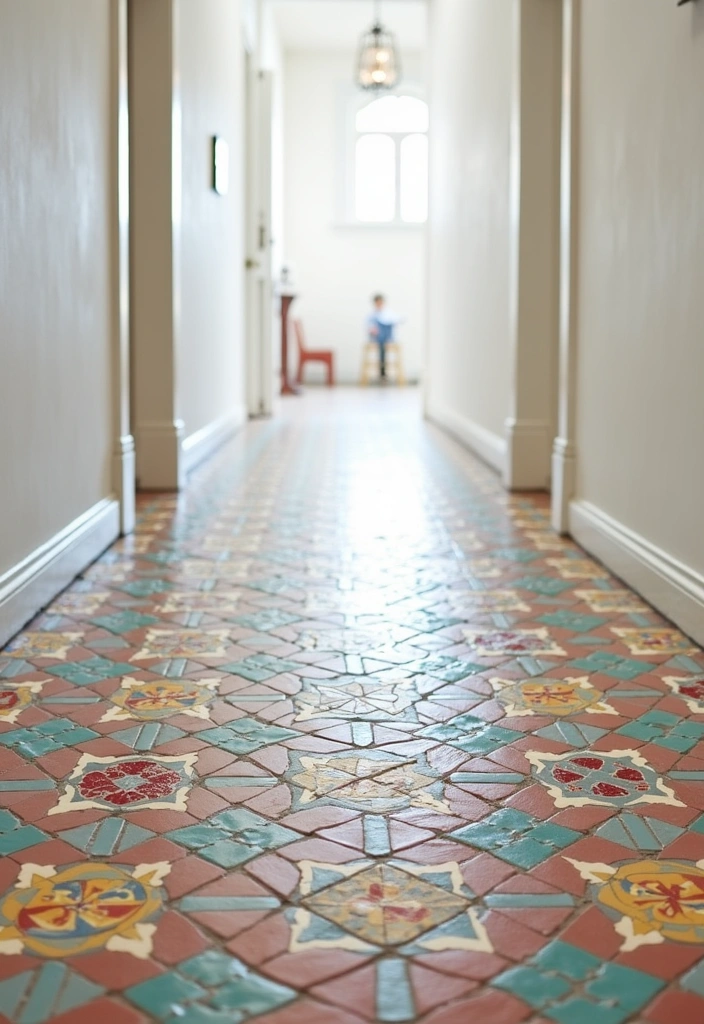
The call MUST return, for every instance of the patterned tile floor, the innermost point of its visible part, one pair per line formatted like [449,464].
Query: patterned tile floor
[346,734]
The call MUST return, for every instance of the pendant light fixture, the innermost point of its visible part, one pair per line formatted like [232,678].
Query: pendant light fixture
[378,64]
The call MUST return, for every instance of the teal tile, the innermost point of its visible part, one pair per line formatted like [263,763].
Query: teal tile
[449,670]
[612,665]
[547,585]
[471,734]
[148,735]
[533,987]
[145,588]
[572,734]
[14,836]
[124,622]
[106,837]
[92,670]
[394,994]
[263,621]
[693,981]
[664,730]
[47,737]
[572,621]
[517,554]
[233,837]
[165,994]
[245,735]
[252,995]
[517,837]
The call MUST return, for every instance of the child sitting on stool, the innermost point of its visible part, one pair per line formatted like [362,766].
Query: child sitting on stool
[381,324]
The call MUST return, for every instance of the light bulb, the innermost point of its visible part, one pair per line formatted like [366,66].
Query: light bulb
[382,56]
[379,76]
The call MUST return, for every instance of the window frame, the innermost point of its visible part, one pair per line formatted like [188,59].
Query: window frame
[350,105]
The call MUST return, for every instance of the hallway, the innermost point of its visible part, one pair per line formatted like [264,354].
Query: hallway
[345,733]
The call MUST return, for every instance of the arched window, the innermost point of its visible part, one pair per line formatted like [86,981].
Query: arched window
[391,161]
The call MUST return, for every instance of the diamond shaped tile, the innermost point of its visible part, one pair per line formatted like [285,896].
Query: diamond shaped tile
[14,836]
[124,622]
[471,734]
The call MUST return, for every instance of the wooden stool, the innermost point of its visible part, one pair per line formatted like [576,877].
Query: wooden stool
[371,362]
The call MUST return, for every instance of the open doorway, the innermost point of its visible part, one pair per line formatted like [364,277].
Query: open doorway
[349,179]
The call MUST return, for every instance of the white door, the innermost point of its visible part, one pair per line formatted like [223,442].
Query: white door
[259,283]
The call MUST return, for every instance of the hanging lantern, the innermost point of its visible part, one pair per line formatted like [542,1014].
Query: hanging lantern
[378,64]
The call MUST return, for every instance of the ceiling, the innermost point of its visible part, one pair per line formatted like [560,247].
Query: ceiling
[338,24]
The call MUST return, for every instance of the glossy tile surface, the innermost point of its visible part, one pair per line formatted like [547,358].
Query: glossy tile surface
[346,734]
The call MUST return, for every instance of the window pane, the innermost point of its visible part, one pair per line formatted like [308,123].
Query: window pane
[393,114]
[414,179]
[375,178]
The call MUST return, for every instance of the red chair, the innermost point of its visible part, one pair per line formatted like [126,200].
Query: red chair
[311,355]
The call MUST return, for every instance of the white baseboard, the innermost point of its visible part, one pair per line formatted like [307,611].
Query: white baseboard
[160,455]
[484,443]
[199,445]
[675,589]
[528,446]
[35,581]
[564,475]
[124,476]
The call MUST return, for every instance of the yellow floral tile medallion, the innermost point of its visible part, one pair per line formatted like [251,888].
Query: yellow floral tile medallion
[578,568]
[157,699]
[652,901]
[608,601]
[42,645]
[553,697]
[61,912]
[184,643]
[16,697]
[655,641]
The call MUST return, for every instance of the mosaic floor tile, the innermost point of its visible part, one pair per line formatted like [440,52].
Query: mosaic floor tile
[91,670]
[60,913]
[212,988]
[554,697]
[121,783]
[245,735]
[571,986]
[33,997]
[617,778]
[516,837]
[233,837]
[441,767]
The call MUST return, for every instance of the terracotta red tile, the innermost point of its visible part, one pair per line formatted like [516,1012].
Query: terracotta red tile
[534,800]
[318,849]
[431,989]
[350,833]
[318,818]
[152,852]
[667,960]
[495,1007]
[356,989]
[176,939]
[102,1009]
[203,803]
[669,1007]
[115,970]
[188,874]
[510,939]
[275,872]
[308,1011]
[477,966]
[272,803]
[267,939]
[594,931]
[53,851]
[310,968]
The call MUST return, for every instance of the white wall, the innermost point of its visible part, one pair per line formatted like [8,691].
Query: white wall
[640,304]
[470,74]
[338,268]
[210,350]
[56,295]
